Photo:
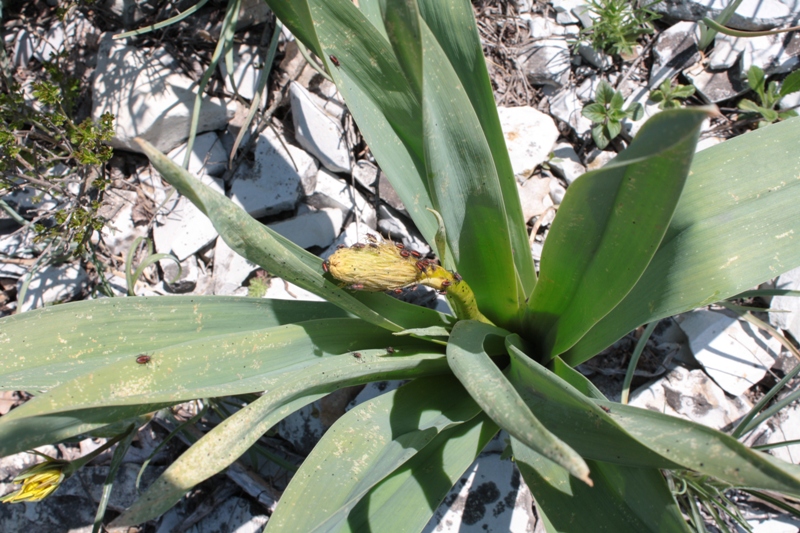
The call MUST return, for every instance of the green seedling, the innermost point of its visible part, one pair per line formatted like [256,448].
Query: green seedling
[769,96]
[617,25]
[668,95]
[607,114]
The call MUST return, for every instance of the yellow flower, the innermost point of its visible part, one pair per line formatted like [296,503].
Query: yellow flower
[38,481]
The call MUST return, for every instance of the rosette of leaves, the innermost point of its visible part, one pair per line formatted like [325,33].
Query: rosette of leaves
[653,233]
[667,95]
[769,96]
[607,114]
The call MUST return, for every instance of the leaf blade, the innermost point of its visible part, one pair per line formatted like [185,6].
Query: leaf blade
[591,260]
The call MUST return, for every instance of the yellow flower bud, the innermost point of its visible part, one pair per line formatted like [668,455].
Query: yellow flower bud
[38,481]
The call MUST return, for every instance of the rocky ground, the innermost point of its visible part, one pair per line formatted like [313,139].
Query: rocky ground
[302,168]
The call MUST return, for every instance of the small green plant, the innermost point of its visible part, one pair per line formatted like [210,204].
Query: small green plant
[653,233]
[618,24]
[44,147]
[258,285]
[769,96]
[668,95]
[607,114]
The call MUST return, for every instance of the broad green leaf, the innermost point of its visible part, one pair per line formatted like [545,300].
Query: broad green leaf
[607,230]
[770,115]
[372,10]
[466,188]
[708,451]
[452,22]
[604,94]
[599,136]
[790,84]
[259,244]
[225,365]
[296,16]
[46,347]
[687,444]
[636,111]
[622,499]
[756,79]
[401,21]
[28,433]
[749,105]
[498,398]
[574,417]
[387,111]
[406,500]
[365,446]
[231,438]
[614,127]
[617,101]
[734,227]
[595,112]
[683,91]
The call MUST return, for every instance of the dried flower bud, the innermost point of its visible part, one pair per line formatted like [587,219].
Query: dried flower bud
[374,269]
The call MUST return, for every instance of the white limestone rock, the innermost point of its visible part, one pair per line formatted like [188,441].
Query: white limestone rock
[541,27]
[315,228]
[366,174]
[691,395]
[783,427]
[246,69]
[53,284]
[774,54]
[148,99]
[230,269]
[546,62]
[733,352]
[351,235]
[566,106]
[534,195]
[675,48]
[318,132]
[566,10]
[789,321]
[17,245]
[336,193]
[272,183]
[751,15]
[185,229]
[557,192]
[598,158]
[208,156]
[120,231]
[280,289]
[489,496]
[566,163]
[393,224]
[180,280]
[530,136]
[596,58]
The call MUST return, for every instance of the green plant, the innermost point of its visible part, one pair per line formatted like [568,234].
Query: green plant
[606,114]
[618,24]
[667,96]
[769,96]
[653,233]
[44,147]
